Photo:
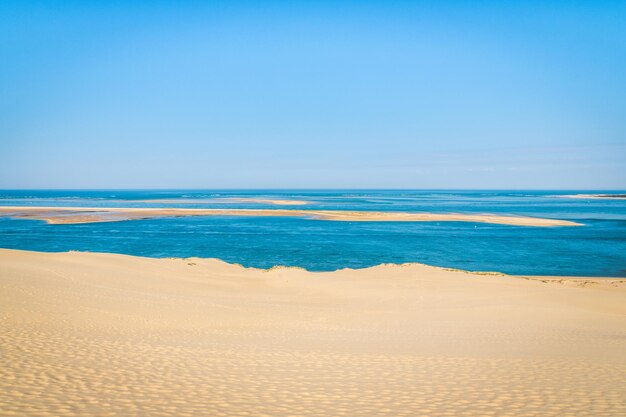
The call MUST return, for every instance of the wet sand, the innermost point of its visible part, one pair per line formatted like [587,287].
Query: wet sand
[73,215]
[85,334]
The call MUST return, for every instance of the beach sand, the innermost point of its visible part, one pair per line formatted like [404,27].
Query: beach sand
[75,215]
[113,335]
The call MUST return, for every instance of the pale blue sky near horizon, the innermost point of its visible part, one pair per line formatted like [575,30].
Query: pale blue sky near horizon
[369,94]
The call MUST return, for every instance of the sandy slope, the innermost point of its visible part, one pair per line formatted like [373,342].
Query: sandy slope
[103,334]
[74,215]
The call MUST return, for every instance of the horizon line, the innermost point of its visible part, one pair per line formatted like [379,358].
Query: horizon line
[304,189]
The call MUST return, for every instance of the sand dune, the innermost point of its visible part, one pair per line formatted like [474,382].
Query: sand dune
[102,334]
[72,215]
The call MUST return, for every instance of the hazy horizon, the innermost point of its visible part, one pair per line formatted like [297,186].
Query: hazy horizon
[272,95]
[311,189]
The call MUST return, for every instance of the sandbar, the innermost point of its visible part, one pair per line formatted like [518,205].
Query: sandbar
[74,215]
[596,196]
[226,200]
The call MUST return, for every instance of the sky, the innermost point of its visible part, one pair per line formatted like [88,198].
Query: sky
[367,94]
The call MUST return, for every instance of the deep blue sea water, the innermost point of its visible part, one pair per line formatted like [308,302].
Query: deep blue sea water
[597,249]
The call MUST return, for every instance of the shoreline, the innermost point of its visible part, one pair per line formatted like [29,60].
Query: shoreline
[620,280]
[78,215]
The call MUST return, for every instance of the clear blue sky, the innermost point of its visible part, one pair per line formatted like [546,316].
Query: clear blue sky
[386,94]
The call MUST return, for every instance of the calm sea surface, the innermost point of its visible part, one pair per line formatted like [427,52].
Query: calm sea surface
[597,249]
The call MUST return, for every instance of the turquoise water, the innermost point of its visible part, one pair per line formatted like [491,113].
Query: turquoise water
[597,249]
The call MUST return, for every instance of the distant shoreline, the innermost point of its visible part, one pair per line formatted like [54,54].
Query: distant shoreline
[596,196]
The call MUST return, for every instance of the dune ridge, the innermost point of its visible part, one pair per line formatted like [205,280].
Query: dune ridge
[85,334]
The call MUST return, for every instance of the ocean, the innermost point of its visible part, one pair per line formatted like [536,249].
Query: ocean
[596,249]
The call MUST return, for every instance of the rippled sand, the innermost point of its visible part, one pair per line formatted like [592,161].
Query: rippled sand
[113,335]
[75,215]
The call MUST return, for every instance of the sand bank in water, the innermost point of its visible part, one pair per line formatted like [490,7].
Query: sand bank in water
[104,334]
[596,196]
[71,215]
[225,200]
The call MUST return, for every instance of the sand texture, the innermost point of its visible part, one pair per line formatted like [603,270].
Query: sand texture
[111,335]
[73,215]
